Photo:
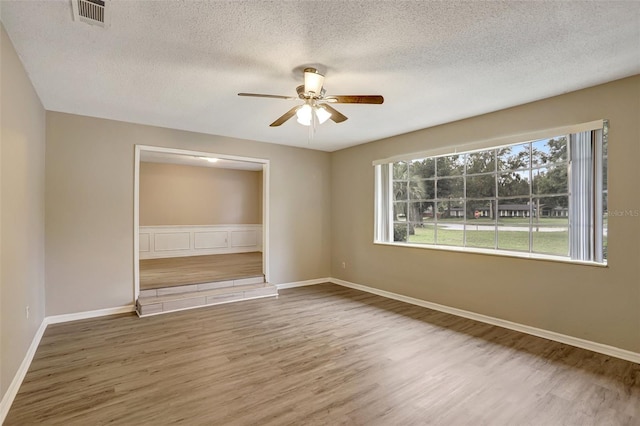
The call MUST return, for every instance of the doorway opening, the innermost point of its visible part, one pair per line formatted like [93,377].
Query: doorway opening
[201,232]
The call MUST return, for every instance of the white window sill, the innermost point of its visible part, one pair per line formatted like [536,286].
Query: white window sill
[491,252]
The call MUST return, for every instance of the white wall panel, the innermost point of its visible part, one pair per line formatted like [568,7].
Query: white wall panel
[243,238]
[172,241]
[176,240]
[207,240]
[144,242]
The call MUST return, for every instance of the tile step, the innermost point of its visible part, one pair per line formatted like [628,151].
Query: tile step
[173,302]
[259,279]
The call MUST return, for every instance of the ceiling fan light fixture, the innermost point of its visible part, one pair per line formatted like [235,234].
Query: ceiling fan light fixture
[303,115]
[313,81]
[322,114]
[209,159]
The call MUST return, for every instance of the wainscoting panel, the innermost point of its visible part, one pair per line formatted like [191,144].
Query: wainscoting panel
[243,238]
[172,241]
[209,240]
[177,241]
[144,242]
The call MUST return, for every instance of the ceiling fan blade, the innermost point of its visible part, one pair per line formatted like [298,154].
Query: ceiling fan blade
[284,117]
[336,115]
[355,99]
[260,95]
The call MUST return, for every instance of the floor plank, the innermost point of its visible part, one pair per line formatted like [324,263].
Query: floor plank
[177,271]
[322,354]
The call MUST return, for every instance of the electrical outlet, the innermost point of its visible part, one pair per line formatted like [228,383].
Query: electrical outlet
[344,265]
[26,311]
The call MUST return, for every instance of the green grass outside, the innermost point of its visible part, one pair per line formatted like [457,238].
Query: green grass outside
[556,243]
[510,221]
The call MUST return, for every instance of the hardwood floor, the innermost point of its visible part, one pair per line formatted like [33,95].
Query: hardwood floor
[177,271]
[317,355]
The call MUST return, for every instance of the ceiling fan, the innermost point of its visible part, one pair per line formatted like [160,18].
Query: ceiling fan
[316,108]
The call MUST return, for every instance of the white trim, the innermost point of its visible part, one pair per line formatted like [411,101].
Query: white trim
[496,252]
[206,305]
[546,334]
[266,177]
[303,283]
[189,241]
[496,142]
[136,224]
[56,319]
[13,388]
[136,203]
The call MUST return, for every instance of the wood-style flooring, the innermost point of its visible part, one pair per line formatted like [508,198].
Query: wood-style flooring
[318,355]
[178,271]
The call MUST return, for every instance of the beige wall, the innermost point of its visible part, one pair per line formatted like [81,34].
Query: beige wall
[172,194]
[89,197]
[22,151]
[593,303]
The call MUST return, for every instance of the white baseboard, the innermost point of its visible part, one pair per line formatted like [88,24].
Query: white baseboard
[303,283]
[55,319]
[551,335]
[12,391]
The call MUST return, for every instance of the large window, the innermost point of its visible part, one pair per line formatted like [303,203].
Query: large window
[543,197]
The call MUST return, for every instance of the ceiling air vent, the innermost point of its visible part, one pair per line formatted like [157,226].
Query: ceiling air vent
[90,11]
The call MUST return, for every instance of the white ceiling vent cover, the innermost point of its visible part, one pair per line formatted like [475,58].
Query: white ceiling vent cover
[91,12]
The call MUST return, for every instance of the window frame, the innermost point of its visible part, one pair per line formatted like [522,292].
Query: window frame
[384,233]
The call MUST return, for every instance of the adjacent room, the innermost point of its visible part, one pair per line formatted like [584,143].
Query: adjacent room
[319,212]
[200,231]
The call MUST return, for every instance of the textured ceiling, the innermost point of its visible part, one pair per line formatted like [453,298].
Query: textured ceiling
[180,64]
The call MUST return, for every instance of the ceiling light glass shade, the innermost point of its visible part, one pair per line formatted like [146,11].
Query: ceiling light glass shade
[313,81]
[209,159]
[304,115]
[322,114]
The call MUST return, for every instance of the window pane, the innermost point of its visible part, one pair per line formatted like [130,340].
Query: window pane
[550,239]
[550,230]
[517,209]
[481,211]
[451,165]
[400,212]
[513,236]
[450,210]
[400,171]
[418,190]
[513,157]
[450,234]
[480,234]
[423,169]
[481,162]
[399,191]
[481,224]
[421,211]
[423,234]
[556,208]
[400,232]
[549,151]
[481,186]
[450,188]
[513,184]
[415,212]
[550,180]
